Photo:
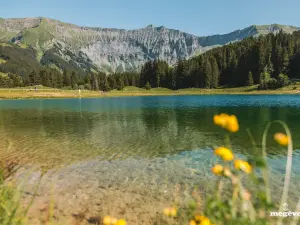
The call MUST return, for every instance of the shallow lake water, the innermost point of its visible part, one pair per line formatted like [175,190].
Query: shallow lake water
[143,140]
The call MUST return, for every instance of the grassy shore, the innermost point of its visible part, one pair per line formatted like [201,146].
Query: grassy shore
[44,92]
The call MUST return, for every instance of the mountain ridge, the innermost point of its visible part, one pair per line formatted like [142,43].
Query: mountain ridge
[113,49]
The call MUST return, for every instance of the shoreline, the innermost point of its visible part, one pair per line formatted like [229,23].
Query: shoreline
[9,94]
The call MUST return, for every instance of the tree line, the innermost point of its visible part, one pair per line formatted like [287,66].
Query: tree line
[50,77]
[269,61]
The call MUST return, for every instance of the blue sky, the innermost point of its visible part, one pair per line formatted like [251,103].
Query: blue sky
[199,17]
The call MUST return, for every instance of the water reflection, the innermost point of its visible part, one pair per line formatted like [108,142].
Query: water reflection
[177,131]
[79,129]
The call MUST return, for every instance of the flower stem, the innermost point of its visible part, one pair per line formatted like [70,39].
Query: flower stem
[265,170]
[235,195]
[288,168]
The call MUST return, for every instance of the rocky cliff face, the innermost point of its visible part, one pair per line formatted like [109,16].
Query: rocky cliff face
[113,50]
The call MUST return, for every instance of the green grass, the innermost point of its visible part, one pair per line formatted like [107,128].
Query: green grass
[21,45]
[5,44]
[35,86]
[2,61]
[47,92]
[53,66]
[6,35]
[133,89]
[36,36]
[160,89]
[3,74]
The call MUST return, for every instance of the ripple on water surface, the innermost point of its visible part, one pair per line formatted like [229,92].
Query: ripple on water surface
[117,137]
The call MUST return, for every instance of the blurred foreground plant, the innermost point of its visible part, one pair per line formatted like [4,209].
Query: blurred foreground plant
[12,211]
[241,206]
[10,204]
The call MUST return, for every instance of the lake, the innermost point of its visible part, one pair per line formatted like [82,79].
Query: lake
[151,141]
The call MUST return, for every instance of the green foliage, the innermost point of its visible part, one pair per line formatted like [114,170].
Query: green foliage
[215,73]
[67,87]
[230,65]
[266,82]
[2,61]
[147,86]
[250,79]
[207,74]
[11,212]
[105,85]
[79,63]
[75,87]
[19,61]
[156,73]
[283,80]
[87,86]
[120,82]
[66,78]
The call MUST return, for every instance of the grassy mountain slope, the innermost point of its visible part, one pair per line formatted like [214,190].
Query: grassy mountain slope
[63,45]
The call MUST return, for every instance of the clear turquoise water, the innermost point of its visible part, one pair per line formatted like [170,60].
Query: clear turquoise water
[63,131]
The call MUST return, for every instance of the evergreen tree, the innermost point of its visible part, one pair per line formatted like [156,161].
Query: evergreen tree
[45,78]
[66,78]
[112,82]
[285,62]
[147,74]
[250,79]
[173,79]
[215,73]
[95,83]
[147,86]
[283,80]
[60,80]
[106,86]
[181,74]
[26,80]
[74,80]
[120,82]
[33,78]
[207,75]
[16,80]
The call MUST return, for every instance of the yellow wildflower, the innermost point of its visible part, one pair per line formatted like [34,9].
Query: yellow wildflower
[193,222]
[243,165]
[232,123]
[172,212]
[220,120]
[107,220]
[226,121]
[199,218]
[205,221]
[217,169]
[224,153]
[114,220]
[167,211]
[281,139]
[121,222]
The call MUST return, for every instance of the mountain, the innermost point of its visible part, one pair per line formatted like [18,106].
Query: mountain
[62,45]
